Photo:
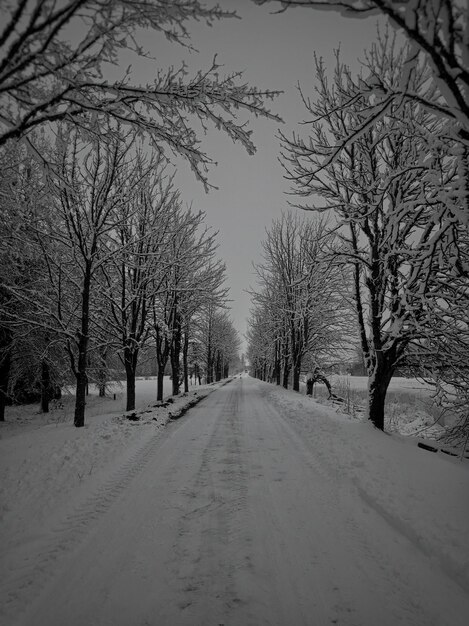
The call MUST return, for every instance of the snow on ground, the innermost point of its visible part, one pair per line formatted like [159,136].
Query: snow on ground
[47,468]
[398,383]
[45,461]
[409,408]
[424,495]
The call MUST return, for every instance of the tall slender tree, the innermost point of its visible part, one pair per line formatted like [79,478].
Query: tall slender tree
[90,184]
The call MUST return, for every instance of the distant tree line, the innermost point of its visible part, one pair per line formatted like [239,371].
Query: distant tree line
[300,317]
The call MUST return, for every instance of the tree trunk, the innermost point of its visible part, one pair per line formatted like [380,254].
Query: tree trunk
[159,384]
[175,352]
[80,374]
[162,352]
[377,387]
[130,389]
[80,397]
[277,369]
[296,375]
[209,365]
[130,362]
[45,386]
[286,372]
[185,364]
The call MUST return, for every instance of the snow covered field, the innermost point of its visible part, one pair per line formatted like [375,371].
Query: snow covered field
[260,506]
[398,383]
[409,407]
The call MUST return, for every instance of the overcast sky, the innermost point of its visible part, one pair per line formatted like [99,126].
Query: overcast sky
[275,52]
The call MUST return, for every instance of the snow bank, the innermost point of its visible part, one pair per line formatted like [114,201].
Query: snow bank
[423,495]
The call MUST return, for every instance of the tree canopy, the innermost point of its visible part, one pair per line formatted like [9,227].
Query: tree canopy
[54,59]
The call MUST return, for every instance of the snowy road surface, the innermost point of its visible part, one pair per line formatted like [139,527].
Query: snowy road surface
[231,518]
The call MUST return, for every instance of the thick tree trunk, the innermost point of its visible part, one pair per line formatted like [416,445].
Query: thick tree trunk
[80,374]
[46,388]
[159,384]
[378,385]
[80,397]
[286,372]
[130,389]
[82,382]
[130,362]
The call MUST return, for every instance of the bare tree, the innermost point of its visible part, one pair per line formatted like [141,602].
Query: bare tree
[137,260]
[436,30]
[53,59]
[90,183]
[389,189]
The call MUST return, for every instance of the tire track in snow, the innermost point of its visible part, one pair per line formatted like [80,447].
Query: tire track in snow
[222,480]
[458,573]
[31,574]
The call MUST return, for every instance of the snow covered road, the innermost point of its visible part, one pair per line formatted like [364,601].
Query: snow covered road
[232,518]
